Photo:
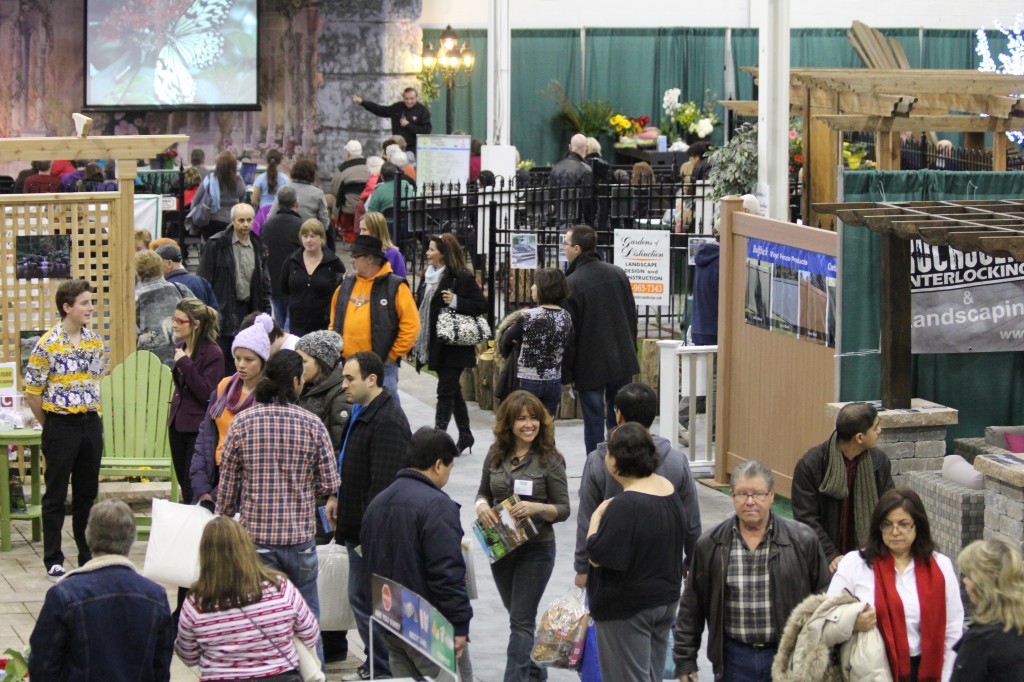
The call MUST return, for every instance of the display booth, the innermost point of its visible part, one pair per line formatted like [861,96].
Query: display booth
[87,235]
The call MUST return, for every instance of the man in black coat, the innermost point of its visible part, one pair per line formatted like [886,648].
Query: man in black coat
[569,185]
[281,237]
[409,118]
[605,321]
[373,452]
[412,534]
[234,261]
[837,484]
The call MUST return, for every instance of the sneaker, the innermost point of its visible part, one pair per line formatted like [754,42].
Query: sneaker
[361,673]
[55,573]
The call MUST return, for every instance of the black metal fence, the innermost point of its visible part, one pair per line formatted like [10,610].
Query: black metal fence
[918,153]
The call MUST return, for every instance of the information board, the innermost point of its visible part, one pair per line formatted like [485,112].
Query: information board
[442,159]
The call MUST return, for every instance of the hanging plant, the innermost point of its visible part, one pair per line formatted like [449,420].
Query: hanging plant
[430,90]
[734,165]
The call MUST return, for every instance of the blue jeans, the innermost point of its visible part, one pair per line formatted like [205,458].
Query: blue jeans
[301,565]
[744,663]
[391,381]
[279,309]
[362,606]
[548,392]
[521,578]
[598,412]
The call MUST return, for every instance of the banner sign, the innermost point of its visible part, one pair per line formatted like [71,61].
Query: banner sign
[643,254]
[964,302]
[791,291]
[410,617]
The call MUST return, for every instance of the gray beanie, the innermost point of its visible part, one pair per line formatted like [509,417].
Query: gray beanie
[325,346]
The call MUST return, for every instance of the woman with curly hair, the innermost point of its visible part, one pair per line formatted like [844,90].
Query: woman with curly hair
[523,461]
[992,650]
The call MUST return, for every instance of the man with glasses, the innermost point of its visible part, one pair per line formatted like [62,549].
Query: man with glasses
[837,484]
[373,310]
[747,575]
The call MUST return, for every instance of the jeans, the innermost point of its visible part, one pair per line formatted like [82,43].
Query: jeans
[598,412]
[391,381]
[279,311]
[300,563]
[744,663]
[521,578]
[407,661]
[183,445]
[634,648]
[362,606]
[73,447]
[548,392]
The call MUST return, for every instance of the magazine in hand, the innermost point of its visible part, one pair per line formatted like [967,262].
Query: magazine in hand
[508,534]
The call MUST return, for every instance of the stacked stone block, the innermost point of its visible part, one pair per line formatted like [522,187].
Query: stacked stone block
[956,513]
[1004,511]
[913,449]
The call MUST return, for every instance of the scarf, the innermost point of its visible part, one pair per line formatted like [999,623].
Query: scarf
[213,188]
[892,622]
[231,399]
[431,280]
[865,494]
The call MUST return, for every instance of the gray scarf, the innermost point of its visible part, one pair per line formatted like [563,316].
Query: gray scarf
[865,494]
[431,279]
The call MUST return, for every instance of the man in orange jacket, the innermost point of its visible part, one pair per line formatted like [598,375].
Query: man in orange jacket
[374,310]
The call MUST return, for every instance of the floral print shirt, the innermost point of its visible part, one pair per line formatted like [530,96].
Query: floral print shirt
[68,378]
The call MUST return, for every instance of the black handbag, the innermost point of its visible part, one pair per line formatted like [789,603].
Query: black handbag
[507,380]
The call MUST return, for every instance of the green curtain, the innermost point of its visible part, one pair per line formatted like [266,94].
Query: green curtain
[469,94]
[950,49]
[987,388]
[539,57]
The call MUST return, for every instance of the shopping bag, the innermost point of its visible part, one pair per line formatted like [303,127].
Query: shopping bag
[467,556]
[670,663]
[561,631]
[172,556]
[590,666]
[332,588]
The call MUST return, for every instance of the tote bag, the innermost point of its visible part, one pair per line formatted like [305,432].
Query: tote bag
[172,555]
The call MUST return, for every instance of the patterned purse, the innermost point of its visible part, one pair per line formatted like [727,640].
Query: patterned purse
[457,329]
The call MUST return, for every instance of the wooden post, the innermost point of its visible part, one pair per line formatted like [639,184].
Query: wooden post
[998,150]
[895,314]
[727,283]
[887,149]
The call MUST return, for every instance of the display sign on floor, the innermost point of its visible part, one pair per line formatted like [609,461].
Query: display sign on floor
[964,302]
[643,254]
[791,291]
[409,616]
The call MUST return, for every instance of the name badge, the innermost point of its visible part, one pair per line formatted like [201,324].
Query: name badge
[523,488]
[97,365]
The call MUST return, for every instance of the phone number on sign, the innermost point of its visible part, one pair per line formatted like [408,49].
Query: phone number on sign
[648,288]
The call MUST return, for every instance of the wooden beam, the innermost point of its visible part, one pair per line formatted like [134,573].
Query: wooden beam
[102,147]
[919,124]
[896,319]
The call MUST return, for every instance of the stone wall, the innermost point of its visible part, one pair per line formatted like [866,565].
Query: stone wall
[956,513]
[366,49]
[1004,511]
[913,449]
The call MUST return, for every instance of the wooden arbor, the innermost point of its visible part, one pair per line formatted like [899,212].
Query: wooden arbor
[889,102]
[995,228]
[99,227]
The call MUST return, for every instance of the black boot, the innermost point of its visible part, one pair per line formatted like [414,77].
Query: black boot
[443,412]
[466,439]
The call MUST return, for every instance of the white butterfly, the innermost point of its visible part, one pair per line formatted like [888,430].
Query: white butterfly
[192,43]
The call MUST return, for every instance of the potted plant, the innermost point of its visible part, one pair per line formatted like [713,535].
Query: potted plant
[590,118]
[734,164]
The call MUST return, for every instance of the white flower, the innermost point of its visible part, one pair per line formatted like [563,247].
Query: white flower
[704,127]
[670,102]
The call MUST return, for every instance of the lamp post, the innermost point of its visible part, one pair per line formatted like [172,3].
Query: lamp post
[449,59]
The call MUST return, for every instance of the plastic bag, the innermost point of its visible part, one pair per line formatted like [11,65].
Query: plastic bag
[172,555]
[561,632]
[670,663]
[332,588]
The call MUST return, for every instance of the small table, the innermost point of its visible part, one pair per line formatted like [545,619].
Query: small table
[31,439]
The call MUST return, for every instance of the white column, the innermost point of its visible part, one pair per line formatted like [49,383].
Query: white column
[499,69]
[773,110]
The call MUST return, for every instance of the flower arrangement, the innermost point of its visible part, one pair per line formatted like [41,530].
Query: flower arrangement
[853,152]
[14,665]
[526,164]
[628,126]
[796,145]
[168,154]
[686,119]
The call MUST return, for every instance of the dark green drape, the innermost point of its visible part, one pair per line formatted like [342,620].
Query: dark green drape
[470,101]
[987,388]
[538,57]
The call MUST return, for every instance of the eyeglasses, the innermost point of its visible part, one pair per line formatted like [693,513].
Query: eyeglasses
[178,320]
[758,497]
[904,526]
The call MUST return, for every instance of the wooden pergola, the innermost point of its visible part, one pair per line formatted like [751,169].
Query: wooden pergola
[995,228]
[889,102]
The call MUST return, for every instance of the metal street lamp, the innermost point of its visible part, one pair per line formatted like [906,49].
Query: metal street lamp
[449,60]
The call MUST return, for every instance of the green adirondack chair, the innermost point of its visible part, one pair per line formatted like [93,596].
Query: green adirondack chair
[136,398]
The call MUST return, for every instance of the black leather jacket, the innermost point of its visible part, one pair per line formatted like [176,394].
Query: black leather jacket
[797,568]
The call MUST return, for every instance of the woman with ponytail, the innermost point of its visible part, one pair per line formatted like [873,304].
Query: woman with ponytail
[276,457]
[198,368]
[264,188]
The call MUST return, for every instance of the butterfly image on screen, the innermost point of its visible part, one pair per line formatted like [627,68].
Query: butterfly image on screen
[192,42]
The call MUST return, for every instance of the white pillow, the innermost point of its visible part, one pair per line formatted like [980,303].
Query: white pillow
[957,469]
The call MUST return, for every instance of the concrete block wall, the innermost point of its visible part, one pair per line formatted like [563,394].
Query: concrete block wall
[913,449]
[1004,511]
[956,513]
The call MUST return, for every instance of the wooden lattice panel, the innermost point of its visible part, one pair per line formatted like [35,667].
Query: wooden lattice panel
[28,303]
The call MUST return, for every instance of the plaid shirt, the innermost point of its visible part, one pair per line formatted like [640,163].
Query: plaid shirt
[748,603]
[275,458]
[67,378]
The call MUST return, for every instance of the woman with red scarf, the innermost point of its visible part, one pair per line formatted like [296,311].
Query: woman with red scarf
[910,591]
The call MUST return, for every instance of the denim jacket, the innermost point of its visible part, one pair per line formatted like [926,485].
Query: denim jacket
[103,622]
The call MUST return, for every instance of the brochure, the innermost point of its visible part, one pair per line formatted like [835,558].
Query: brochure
[506,535]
